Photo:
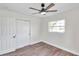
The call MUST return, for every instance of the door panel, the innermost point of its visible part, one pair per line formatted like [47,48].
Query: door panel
[4,32]
[22,31]
[12,32]
[0,34]
[7,30]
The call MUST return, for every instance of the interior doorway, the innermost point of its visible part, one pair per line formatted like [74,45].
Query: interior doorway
[22,33]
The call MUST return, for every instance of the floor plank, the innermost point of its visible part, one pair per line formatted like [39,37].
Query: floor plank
[39,49]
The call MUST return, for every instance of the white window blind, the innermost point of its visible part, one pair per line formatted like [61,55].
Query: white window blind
[56,26]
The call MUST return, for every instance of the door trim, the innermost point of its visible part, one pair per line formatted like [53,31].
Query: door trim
[29,30]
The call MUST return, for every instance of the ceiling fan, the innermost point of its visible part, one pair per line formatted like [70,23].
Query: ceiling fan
[44,10]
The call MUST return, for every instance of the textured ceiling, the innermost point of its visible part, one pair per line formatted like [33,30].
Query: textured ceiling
[23,8]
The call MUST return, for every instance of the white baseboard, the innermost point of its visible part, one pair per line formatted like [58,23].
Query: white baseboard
[21,46]
[6,51]
[11,50]
[73,52]
[31,43]
[35,42]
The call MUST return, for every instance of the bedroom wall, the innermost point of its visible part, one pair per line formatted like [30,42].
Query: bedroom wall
[70,39]
[34,21]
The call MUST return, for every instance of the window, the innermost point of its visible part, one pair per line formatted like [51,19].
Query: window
[56,26]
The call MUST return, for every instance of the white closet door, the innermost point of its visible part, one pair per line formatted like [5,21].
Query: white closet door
[8,29]
[22,30]
[0,34]
[12,33]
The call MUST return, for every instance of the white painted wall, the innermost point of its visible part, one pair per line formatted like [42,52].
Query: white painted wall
[34,21]
[35,30]
[68,40]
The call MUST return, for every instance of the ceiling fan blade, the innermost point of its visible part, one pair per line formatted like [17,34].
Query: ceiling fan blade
[51,5]
[34,9]
[52,11]
[34,13]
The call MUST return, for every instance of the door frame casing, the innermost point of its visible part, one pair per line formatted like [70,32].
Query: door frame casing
[29,30]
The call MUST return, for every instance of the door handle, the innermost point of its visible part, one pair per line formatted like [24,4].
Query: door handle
[14,36]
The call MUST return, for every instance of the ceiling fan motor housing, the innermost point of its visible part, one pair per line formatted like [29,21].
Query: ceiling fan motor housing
[42,5]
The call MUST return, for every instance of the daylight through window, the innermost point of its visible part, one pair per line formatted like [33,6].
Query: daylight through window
[56,26]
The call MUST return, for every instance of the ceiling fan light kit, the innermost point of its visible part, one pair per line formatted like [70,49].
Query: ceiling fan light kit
[43,13]
[44,10]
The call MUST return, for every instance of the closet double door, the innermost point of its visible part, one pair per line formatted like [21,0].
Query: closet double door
[14,34]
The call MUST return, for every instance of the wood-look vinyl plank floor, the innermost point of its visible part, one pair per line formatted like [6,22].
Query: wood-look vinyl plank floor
[39,49]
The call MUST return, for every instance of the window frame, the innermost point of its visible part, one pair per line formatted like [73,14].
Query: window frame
[52,27]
